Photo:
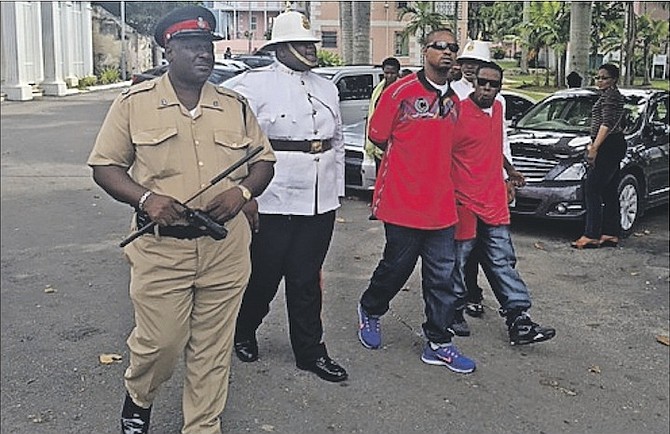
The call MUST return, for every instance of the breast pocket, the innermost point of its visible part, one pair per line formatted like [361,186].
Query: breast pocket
[155,153]
[231,147]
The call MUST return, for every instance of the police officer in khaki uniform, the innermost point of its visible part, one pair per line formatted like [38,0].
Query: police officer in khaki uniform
[162,141]
[299,111]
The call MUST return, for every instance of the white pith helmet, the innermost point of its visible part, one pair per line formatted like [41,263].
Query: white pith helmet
[476,50]
[290,26]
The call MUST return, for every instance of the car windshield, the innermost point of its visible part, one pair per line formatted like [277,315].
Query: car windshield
[573,114]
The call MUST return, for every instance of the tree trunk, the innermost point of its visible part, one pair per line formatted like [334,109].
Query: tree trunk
[645,53]
[627,46]
[347,27]
[577,56]
[524,46]
[361,44]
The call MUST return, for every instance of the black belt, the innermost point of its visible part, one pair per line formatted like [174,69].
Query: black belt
[180,232]
[309,146]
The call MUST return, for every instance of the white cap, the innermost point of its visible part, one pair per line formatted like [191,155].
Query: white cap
[291,26]
[476,50]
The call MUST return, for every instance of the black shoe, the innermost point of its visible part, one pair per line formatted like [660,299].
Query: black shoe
[524,331]
[134,419]
[326,368]
[460,327]
[474,309]
[247,351]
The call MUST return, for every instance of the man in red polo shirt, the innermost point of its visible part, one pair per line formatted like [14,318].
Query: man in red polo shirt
[481,201]
[414,124]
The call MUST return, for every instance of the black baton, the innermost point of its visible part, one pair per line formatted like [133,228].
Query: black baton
[149,227]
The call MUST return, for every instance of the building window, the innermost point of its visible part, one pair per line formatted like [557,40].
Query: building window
[329,39]
[254,23]
[401,44]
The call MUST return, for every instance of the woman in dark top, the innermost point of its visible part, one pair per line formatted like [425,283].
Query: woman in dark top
[604,155]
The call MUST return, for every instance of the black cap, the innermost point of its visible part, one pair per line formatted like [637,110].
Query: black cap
[186,21]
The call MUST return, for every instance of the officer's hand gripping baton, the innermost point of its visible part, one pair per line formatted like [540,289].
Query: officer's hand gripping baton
[149,227]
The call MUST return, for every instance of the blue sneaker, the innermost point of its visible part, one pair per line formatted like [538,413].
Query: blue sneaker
[448,356]
[369,331]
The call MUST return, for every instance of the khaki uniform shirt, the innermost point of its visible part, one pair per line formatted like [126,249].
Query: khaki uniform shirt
[172,152]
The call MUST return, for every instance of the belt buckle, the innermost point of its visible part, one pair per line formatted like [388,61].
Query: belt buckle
[316,146]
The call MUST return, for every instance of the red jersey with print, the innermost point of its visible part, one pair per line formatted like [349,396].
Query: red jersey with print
[414,187]
[477,165]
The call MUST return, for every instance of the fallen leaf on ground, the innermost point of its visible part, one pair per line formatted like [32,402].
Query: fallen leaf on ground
[646,232]
[663,339]
[267,428]
[595,369]
[539,245]
[638,234]
[340,220]
[635,273]
[108,359]
[49,289]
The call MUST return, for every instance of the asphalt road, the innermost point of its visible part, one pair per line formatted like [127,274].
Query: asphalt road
[64,302]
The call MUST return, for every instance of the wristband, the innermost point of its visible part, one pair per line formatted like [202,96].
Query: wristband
[143,199]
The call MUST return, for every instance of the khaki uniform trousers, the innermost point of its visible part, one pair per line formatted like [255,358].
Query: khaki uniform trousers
[186,295]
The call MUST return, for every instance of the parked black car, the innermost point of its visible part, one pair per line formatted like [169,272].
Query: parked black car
[256,60]
[548,145]
[220,73]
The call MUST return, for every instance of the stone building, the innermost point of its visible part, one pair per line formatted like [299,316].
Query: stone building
[46,47]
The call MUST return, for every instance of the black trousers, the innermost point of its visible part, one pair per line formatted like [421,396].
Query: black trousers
[293,248]
[603,211]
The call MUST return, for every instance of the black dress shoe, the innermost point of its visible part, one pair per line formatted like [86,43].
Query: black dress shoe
[247,351]
[326,368]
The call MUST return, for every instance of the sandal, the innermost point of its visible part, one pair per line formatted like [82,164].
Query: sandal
[609,241]
[585,242]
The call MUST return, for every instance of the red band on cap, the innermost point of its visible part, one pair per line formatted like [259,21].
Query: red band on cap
[197,24]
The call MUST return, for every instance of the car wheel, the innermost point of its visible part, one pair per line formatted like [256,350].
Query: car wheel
[629,202]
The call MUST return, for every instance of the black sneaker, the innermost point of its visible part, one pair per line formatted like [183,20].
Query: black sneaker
[474,309]
[134,419]
[524,331]
[460,327]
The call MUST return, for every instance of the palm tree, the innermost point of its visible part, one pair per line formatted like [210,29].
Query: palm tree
[347,26]
[361,14]
[650,34]
[422,20]
[580,26]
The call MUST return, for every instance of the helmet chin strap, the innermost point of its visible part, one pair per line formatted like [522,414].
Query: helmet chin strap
[300,57]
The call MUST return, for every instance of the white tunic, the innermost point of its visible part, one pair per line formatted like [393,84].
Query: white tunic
[294,105]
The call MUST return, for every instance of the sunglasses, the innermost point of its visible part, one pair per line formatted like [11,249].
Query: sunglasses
[597,77]
[483,82]
[443,45]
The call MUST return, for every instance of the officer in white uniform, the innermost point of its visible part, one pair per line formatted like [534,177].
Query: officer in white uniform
[299,112]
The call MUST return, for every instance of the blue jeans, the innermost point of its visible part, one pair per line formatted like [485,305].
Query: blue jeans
[403,248]
[496,254]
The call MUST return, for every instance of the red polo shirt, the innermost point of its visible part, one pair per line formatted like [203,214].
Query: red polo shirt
[477,168]
[414,187]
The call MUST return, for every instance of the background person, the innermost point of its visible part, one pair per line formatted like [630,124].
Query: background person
[413,123]
[481,200]
[159,141]
[299,111]
[604,155]
[391,69]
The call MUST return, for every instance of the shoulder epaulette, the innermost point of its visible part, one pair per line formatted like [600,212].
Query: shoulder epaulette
[231,93]
[137,88]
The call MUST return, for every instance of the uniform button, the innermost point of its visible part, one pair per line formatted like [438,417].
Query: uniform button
[200,163]
[197,142]
[317,159]
[316,131]
[314,113]
[203,185]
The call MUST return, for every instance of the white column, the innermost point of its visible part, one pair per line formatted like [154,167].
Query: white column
[15,85]
[67,30]
[53,83]
[87,38]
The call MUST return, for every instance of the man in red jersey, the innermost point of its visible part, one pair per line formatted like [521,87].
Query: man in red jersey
[481,201]
[414,124]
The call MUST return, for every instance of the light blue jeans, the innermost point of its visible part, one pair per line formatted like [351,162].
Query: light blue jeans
[498,254]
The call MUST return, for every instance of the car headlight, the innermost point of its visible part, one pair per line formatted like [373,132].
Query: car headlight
[573,173]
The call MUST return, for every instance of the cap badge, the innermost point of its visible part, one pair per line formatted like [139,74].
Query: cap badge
[202,24]
[305,23]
